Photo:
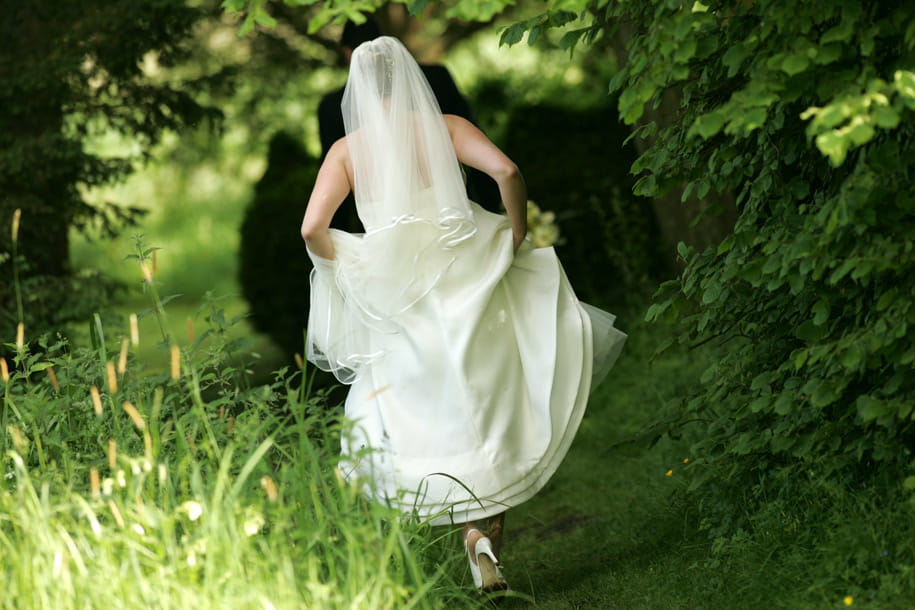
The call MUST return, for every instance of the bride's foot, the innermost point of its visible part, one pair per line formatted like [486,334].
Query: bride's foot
[484,567]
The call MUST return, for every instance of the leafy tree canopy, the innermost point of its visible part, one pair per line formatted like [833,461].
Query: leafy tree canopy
[71,69]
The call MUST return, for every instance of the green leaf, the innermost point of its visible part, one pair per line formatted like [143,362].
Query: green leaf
[825,394]
[795,64]
[833,146]
[733,57]
[262,17]
[820,312]
[861,132]
[416,7]
[886,117]
[533,35]
[570,38]
[711,292]
[809,332]
[870,408]
[839,33]
[827,54]
[851,358]
[512,35]
[707,125]
[685,51]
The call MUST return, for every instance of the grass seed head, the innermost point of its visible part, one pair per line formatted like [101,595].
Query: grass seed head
[96,400]
[112,453]
[116,513]
[134,330]
[147,274]
[20,336]
[112,378]
[122,357]
[18,441]
[270,488]
[17,217]
[53,377]
[4,371]
[94,485]
[175,362]
[135,416]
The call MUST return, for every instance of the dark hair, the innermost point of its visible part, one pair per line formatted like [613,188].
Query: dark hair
[354,34]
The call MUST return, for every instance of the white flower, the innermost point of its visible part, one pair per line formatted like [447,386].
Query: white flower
[193,509]
[253,524]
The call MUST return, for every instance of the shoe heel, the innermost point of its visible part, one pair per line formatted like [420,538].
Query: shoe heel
[490,575]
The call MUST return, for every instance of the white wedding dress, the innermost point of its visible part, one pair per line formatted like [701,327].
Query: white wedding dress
[470,365]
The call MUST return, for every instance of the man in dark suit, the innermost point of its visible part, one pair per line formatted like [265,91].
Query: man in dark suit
[480,188]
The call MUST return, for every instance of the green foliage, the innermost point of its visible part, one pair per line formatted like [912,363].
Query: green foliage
[604,227]
[192,488]
[70,70]
[273,265]
[802,111]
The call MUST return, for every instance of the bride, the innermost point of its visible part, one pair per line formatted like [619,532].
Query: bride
[469,357]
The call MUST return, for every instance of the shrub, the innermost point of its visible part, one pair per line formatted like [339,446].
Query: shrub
[274,266]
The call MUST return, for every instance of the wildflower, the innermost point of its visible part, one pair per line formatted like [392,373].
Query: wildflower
[20,336]
[253,524]
[138,529]
[58,562]
[193,509]
[4,371]
[542,228]
[107,486]
[686,460]
[669,473]
[848,600]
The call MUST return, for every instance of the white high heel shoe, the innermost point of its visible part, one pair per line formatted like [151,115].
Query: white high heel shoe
[484,567]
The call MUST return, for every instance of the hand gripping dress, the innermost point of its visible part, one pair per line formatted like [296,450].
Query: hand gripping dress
[467,393]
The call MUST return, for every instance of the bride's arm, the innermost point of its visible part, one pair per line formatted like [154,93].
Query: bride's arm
[330,189]
[473,148]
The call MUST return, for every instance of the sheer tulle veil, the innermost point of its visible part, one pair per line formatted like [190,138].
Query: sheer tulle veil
[403,161]
[410,195]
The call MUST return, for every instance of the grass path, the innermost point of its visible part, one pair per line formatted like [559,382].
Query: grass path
[607,531]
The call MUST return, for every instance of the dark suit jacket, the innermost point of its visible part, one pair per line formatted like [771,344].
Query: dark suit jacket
[480,187]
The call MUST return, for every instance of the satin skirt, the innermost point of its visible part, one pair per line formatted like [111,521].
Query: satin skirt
[465,404]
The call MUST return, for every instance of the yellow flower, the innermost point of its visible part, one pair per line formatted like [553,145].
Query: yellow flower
[669,473]
[686,460]
[848,600]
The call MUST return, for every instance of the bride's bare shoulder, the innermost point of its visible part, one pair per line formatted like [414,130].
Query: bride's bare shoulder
[456,123]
